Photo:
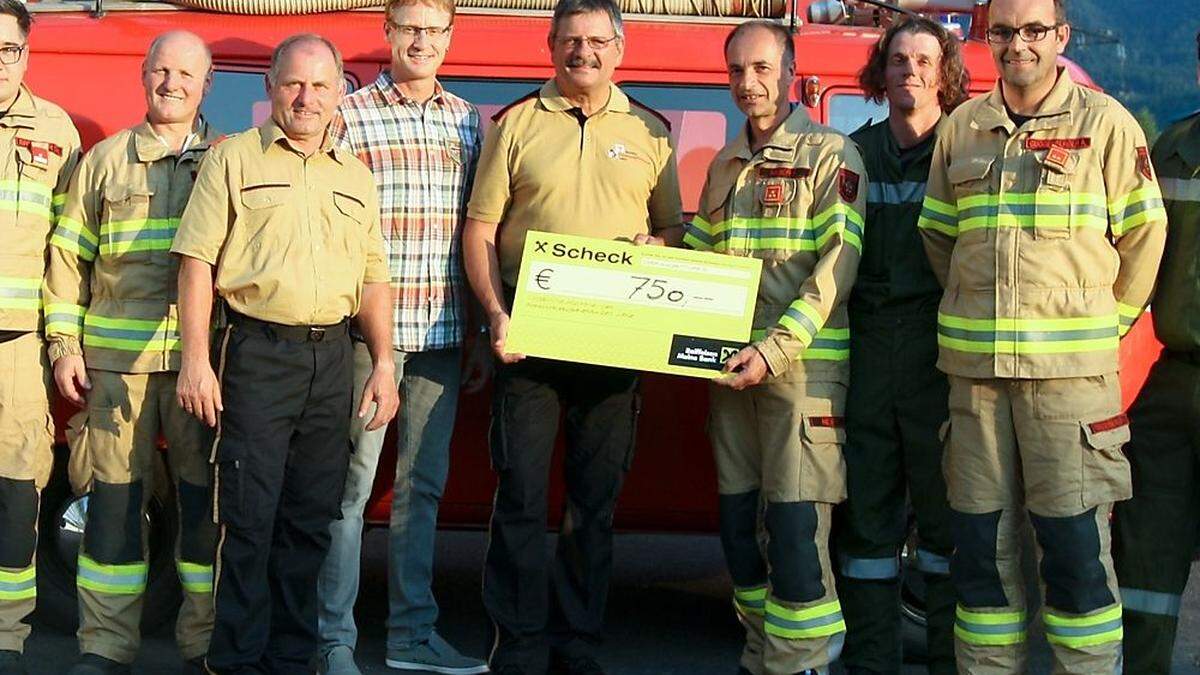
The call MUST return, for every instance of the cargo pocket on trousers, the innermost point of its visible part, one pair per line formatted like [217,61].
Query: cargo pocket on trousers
[822,466]
[230,503]
[80,471]
[1106,475]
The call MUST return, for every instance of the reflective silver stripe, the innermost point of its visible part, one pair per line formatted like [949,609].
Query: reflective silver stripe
[909,192]
[1180,189]
[932,563]
[1150,602]
[870,568]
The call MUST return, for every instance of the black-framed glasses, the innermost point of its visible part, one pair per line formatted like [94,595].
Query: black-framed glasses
[410,31]
[1030,32]
[10,54]
[575,42]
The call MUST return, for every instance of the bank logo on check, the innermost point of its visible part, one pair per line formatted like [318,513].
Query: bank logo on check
[640,307]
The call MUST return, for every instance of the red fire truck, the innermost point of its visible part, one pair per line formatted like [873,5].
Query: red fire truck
[86,56]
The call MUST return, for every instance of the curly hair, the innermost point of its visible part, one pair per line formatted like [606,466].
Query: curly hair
[953,78]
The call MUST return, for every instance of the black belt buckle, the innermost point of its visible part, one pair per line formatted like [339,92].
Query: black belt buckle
[316,334]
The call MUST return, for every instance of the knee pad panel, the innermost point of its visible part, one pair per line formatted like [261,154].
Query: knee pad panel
[973,565]
[18,522]
[1075,579]
[113,534]
[796,574]
[197,531]
[739,538]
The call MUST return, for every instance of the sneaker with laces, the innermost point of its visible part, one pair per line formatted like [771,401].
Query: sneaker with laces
[338,661]
[435,655]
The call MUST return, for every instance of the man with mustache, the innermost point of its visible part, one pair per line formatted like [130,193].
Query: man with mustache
[1044,224]
[111,320]
[577,156]
[897,400]
[421,143]
[287,226]
[41,148]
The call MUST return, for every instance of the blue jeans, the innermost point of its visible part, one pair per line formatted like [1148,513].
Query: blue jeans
[428,383]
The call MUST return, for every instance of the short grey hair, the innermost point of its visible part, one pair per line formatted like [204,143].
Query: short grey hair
[299,39]
[565,8]
[158,41]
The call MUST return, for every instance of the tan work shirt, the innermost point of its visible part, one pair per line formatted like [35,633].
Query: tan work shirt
[293,238]
[111,278]
[546,167]
[797,204]
[39,149]
[1047,237]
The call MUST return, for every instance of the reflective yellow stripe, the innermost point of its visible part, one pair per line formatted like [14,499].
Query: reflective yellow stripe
[1084,631]
[989,629]
[830,344]
[21,293]
[126,579]
[144,234]
[195,578]
[1028,336]
[135,335]
[938,216]
[1128,315]
[798,624]
[64,319]
[19,585]
[1032,209]
[751,600]
[1135,209]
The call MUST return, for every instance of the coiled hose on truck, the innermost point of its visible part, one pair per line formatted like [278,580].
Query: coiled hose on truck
[733,8]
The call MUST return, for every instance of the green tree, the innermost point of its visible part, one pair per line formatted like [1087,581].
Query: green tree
[1149,123]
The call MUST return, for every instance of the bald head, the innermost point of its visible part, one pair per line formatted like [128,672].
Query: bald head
[176,75]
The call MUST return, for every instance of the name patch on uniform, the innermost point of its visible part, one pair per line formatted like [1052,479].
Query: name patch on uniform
[39,151]
[1143,163]
[784,172]
[1109,424]
[848,184]
[828,421]
[1064,143]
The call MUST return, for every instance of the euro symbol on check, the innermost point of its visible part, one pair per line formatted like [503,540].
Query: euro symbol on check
[542,279]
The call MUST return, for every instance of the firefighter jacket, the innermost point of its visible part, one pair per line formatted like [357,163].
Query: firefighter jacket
[111,277]
[797,205]
[894,277]
[1177,298]
[1046,237]
[40,149]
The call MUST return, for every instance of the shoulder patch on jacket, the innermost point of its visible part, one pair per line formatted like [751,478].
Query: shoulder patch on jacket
[659,116]
[504,111]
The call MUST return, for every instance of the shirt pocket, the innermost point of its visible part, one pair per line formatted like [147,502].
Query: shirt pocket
[348,232]
[126,230]
[977,203]
[784,223]
[265,213]
[32,195]
[1052,204]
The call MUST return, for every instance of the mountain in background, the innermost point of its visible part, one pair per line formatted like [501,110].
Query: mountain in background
[1151,66]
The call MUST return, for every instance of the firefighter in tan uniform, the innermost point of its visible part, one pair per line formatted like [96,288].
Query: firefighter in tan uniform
[786,191]
[111,322]
[39,148]
[1043,222]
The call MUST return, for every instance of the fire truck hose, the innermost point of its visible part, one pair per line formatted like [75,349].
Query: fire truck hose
[737,8]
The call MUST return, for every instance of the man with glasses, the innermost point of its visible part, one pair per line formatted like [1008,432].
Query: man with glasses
[1155,534]
[41,148]
[1044,224]
[577,156]
[421,143]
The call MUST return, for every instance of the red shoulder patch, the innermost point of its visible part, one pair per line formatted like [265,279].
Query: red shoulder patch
[848,184]
[503,111]
[1144,166]
[659,116]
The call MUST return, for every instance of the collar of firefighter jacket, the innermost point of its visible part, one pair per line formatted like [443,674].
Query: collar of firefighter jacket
[552,100]
[781,146]
[271,134]
[1055,110]
[22,111]
[150,147]
[393,96]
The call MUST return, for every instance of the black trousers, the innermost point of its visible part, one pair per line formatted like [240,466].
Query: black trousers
[525,597]
[281,460]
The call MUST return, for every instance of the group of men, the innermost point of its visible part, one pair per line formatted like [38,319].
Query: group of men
[937,324]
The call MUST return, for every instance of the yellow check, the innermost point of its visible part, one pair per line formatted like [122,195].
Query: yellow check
[651,308]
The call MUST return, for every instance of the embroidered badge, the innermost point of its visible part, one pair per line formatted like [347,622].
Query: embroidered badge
[1143,163]
[773,194]
[1064,143]
[848,184]
[828,421]
[1058,156]
[617,151]
[1115,422]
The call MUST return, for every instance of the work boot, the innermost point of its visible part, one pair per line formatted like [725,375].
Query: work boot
[574,665]
[338,661]
[435,655]
[94,664]
[10,663]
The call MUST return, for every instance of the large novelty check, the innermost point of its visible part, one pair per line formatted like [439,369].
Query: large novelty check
[640,307]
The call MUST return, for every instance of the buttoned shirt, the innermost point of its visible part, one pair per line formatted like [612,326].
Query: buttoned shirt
[293,238]
[545,166]
[423,157]
[111,278]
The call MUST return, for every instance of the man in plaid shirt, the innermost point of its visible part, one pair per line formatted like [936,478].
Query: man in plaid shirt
[421,142]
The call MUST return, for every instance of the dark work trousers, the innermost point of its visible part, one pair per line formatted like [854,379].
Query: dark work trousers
[524,598]
[281,457]
[1155,534]
[897,403]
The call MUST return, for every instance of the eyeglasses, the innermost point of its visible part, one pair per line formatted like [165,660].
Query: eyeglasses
[410,31]
[596,43]
[10,54]
[1030,32]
